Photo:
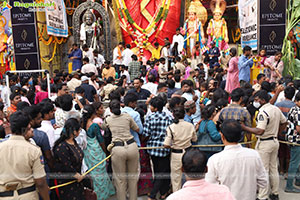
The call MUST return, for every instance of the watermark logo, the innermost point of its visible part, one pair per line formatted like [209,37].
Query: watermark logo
[31,6]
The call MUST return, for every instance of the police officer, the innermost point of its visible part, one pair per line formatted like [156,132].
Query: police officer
[270,122]
[22,168]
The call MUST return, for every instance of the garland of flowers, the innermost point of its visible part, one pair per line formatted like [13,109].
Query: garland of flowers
[53,55]
[128,17]
[71,5]
[139,34]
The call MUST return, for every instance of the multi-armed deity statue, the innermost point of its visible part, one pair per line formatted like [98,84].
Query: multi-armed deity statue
[217,27]
[90,30]
[193,27]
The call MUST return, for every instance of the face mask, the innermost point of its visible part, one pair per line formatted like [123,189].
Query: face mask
[256,104]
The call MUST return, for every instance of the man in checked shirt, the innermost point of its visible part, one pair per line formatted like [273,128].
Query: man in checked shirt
[155,132]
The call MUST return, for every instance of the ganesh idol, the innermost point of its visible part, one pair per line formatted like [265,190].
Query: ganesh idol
[217,27]
[193,29]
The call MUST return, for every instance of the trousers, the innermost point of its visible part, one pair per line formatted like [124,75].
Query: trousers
[161,167]
[176,173]
[294,166]
[268,151]
[125,162]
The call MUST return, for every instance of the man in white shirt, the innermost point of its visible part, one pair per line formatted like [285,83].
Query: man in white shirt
[179,39]
[241,169]
[88,52]
[127,53]
[124,71]
[47,111]
[118,54]
[151,86]
[98,59]
[88,67]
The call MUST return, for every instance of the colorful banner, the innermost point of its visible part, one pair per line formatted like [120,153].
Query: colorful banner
[248,23]
[56,19]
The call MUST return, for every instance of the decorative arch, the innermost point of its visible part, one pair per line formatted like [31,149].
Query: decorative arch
[106,25]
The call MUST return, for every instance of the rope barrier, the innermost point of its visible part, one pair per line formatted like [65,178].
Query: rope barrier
[161,147]
[68,183]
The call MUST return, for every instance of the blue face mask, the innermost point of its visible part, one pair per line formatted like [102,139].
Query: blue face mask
[30,83]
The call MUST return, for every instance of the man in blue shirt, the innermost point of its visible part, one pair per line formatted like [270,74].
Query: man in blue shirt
[75,54]
[190,109]
[214,54]
[130,101]
[245,64]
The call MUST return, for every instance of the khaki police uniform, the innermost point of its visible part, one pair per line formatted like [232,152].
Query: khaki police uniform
[21,163]
[124,155]
[179,136]
[269,119]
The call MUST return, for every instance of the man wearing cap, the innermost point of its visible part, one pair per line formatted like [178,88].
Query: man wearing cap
[190,109]
[90,92]
[74,82]
[214,54]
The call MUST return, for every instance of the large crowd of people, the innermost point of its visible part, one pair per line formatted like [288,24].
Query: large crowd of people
[167,104]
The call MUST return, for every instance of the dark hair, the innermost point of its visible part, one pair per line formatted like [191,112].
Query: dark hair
[161,85]
[177,78]
[289,92]
[232,130]
[86,59]
[32,111]
[13,95]
[171,83]
[65,102]
[237,94]
[162,59]
[130,97]
[260,76]
[194,163]
[178,114]
[157,102]
[262,94]
[46,108]
[233,51]
[24,81]
[173,102]
[246,48]
[70,127]
[85,46]
[134,57]
[1,106]
[221,103]
[115,107]
[151,78]
[278,53]
[114,95]
[44,86]
[187,82]
[21,105]
[19,121]
[297,97]
[97,105]
[208,111]
[266,86]
[87,113]
[59,86]
[79,90]
[110,80]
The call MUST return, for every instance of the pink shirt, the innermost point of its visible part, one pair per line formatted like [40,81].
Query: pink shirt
[202,190]
[40,96]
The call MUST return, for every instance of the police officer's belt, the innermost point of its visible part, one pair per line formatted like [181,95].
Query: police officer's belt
[179,150]
[20,191]
[269,138]
[123,143]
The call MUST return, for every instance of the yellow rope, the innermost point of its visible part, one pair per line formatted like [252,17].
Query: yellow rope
[68,183]
[148,148]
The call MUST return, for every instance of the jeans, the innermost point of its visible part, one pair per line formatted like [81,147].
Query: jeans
[294,166]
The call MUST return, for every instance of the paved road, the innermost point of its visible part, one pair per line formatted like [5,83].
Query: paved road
[282,194]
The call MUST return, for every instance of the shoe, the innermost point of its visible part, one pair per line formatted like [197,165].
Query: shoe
[274,196]
[293,190]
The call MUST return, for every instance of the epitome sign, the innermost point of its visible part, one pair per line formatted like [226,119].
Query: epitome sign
[24,36]
[272,25]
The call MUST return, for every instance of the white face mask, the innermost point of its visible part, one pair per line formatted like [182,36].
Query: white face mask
[256,104]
